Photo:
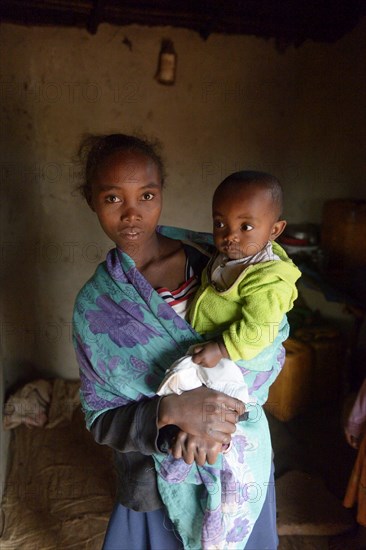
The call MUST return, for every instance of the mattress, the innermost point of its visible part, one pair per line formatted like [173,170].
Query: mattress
[60,484]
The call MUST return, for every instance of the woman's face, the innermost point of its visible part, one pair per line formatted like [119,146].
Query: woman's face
[127,198]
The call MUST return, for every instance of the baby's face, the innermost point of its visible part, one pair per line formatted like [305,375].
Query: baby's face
[244,220]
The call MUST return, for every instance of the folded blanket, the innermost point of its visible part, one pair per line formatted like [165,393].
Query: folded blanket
[42,403]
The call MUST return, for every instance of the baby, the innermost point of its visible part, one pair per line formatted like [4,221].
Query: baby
[246,289]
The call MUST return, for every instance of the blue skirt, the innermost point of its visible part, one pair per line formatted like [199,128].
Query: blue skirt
[130,530]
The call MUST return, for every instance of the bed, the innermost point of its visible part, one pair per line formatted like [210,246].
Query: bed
[60,484]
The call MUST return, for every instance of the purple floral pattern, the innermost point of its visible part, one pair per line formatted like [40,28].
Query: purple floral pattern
[96,401]
[114,363]
[260,380]
[84,354]
[140,284]
[238,532]
[114,266]
[212,527]
[209,476]
[233,491]
[174,471]
[241,444]
[139,367]
[123,322]
[168,314]
[229,485]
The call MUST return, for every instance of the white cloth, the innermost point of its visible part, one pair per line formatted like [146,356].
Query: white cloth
[224,271]
[185,375]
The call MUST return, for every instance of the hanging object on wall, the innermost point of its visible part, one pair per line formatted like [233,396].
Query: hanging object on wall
[167,63]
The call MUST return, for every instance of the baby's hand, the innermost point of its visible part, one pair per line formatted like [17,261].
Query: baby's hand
[207,355]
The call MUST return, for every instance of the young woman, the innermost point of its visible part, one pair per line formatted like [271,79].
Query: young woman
[129,327]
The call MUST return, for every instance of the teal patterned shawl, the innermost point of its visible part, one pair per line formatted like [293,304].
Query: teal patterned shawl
[125,338]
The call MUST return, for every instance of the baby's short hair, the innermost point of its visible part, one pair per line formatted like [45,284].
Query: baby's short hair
[260,179]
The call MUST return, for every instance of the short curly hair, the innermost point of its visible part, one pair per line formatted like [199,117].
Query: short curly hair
[94,149]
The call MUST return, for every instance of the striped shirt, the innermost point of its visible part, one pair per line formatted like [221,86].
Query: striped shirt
[180,298]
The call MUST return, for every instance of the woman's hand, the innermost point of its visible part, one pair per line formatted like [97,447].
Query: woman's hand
[197,449]
[202,412]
